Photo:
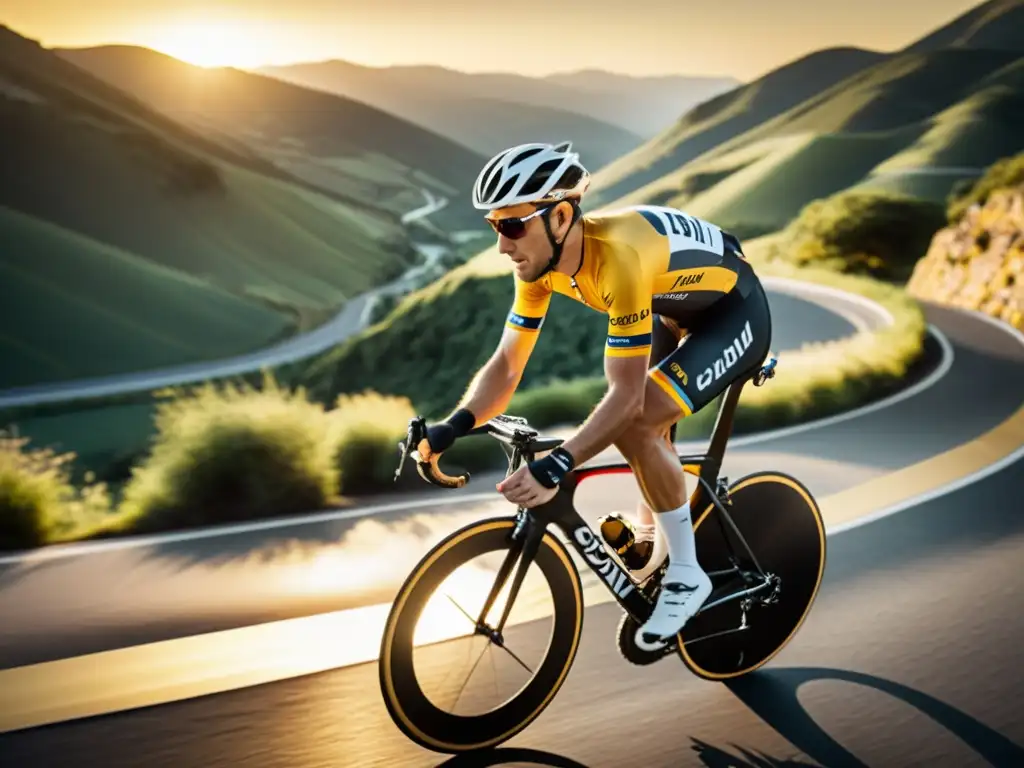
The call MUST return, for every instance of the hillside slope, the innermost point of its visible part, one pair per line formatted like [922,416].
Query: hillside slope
[726,116]
[108,174]
[641,106]
[351,148]
[66,299]
[920,121]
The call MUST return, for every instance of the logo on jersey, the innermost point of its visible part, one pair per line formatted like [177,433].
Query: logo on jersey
[687,280]
[685,232]
[635,317]
[679,373]
[727,359]
[672,296]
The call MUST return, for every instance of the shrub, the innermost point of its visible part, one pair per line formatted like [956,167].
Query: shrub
[232,453]
[881,234]
[366,429]
[38,502]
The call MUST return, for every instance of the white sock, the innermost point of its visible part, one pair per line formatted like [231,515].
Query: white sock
[677,529]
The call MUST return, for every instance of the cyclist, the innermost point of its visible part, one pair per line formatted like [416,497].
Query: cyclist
[686,317]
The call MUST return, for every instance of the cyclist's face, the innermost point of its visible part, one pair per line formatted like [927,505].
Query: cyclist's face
[522,239]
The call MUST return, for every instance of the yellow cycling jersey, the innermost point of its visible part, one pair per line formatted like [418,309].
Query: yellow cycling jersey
[639,261]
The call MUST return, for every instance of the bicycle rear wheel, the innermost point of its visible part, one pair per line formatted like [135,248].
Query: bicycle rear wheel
[402,684]
[782,525]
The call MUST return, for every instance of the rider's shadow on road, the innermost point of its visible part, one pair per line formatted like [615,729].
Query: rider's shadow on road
[509,756]
[772,696]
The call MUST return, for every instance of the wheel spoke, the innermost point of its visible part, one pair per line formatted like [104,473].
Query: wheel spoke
[464,611]
[471,671]
[507,650]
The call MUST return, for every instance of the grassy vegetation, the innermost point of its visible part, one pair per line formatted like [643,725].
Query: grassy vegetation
[868,233]
[126,228]
[39,503]
[87,309]
[727,116]
[761,187]
[220,454]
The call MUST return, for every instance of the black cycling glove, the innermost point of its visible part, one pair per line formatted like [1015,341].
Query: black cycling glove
[441,436]
[550,470]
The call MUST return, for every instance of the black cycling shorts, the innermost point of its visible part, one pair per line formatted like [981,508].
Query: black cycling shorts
[730,340]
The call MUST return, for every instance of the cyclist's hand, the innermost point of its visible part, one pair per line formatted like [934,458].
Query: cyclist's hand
[439,439]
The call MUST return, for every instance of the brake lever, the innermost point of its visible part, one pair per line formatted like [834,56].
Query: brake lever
[416,432]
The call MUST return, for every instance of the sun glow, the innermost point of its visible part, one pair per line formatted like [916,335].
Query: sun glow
[224,43]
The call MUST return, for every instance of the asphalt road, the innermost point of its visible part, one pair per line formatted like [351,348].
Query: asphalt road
[910,657]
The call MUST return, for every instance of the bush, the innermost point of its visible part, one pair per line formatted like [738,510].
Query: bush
[232,453]
[880,234]
[38,502]
[1007,172]
[366,429]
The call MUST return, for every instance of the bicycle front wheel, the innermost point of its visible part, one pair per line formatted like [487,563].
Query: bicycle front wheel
[537,650]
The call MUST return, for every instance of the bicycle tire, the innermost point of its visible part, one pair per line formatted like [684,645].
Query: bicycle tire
[410,709]
[780,521]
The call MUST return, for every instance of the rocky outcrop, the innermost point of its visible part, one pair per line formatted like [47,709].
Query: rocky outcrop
[978,263]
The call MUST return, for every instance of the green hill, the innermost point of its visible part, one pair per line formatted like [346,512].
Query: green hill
[726,116]
[107,171]
[68,300]
[455,308]
[920,121]
[353,149]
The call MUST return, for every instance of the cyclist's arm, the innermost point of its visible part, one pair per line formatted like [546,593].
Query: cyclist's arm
[491,389]
[627,358]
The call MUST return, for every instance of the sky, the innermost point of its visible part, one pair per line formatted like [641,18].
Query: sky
[739,38]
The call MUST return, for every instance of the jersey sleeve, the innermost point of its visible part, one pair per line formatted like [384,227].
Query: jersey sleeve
[630,322]
[526,317]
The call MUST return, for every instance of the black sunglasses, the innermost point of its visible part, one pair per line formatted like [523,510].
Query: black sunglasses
[514,227]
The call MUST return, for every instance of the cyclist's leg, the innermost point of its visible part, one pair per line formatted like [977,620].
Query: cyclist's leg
[730,344]
[647,548]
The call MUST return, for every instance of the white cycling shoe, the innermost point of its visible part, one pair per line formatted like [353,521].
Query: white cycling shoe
[684,589]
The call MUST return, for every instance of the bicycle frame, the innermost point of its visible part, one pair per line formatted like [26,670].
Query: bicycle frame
[560,511]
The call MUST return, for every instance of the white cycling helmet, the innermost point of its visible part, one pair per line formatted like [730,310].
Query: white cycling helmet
[530,173]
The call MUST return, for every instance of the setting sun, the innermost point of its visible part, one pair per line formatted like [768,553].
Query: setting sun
[215,43]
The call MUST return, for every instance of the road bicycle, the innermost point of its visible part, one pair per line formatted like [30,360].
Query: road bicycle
[765,554]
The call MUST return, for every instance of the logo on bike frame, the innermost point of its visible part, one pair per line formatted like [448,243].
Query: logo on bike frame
[593,551]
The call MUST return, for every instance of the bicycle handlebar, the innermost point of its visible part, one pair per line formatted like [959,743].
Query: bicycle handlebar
[428,470]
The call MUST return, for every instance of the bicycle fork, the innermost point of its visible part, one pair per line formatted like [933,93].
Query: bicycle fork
[525,537]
